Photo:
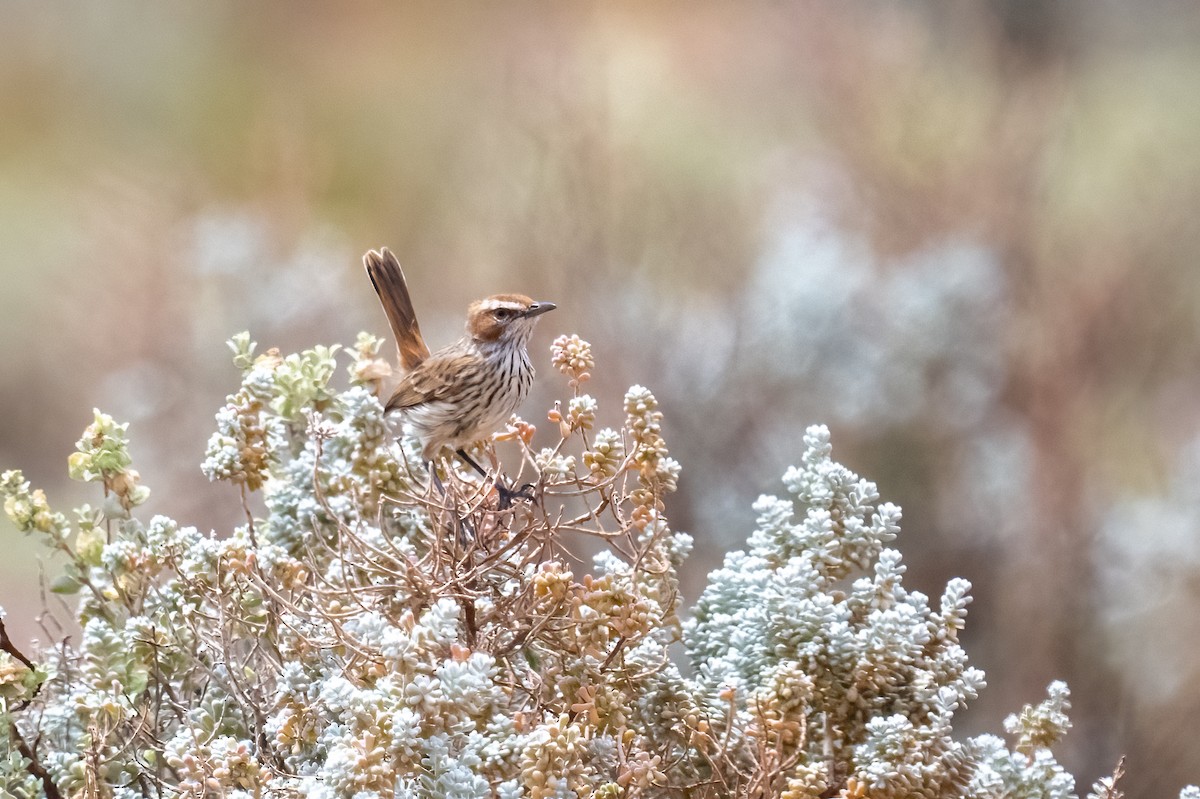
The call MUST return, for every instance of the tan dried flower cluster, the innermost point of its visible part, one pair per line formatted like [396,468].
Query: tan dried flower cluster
[604,457]
[572,356]
[644,420]
[249,439]
[556,760]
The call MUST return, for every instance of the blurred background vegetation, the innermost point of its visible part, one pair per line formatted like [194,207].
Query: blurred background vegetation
[963,235]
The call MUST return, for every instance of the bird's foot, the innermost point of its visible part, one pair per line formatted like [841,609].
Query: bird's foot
[508,495]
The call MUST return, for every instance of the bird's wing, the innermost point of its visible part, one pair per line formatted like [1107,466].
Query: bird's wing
[388,279]
[441,377]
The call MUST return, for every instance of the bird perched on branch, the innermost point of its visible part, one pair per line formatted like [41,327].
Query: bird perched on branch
[468,390]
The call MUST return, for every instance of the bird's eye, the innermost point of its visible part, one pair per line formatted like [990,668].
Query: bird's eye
[502,314]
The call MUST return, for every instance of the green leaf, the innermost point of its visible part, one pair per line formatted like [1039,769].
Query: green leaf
[66,584]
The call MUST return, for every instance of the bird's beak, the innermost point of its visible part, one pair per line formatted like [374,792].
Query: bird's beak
[539,308]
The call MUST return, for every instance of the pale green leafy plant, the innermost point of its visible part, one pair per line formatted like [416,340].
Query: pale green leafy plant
[364,635]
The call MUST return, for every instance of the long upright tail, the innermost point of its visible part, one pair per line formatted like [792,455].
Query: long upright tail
[388,279]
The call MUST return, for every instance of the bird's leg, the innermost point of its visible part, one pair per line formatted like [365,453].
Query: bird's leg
[431,465]
[462,453]
[507,495]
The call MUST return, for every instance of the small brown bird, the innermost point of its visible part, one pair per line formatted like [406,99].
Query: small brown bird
[466,391]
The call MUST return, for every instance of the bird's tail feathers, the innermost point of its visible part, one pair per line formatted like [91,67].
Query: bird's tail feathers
[388,279]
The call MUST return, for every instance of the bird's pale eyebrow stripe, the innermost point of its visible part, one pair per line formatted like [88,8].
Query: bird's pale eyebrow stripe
[492,305]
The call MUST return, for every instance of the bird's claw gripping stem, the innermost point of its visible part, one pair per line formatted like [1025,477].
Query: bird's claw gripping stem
[508,495]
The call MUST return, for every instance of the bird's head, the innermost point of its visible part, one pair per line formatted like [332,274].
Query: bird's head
[505,317]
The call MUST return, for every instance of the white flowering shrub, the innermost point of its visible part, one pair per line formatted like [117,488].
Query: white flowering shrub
[370,636]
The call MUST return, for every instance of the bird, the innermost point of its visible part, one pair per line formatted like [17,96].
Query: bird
[466,391]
